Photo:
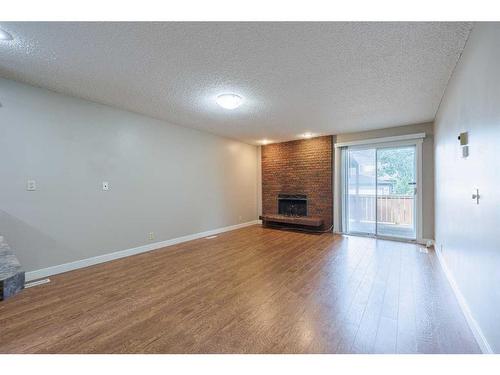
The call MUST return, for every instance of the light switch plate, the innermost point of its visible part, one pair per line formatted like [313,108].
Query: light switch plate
[105,186]
[465,151]
[31,185]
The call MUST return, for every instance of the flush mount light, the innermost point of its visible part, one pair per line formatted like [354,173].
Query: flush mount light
[264,142]
[229,101]
[307,135]
[4,35]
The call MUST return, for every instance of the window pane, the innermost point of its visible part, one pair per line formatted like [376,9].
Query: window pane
[361,185]
[396,192]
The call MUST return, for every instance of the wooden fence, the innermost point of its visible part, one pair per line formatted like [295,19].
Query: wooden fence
[391,209]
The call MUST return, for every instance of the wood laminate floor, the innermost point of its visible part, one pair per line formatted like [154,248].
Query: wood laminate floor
[252,290]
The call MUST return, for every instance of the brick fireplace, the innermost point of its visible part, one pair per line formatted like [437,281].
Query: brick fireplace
[300,168]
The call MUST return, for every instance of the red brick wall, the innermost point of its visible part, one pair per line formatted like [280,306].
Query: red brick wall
[299,167]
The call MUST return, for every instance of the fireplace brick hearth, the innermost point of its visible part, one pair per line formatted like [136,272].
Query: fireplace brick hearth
[302,167]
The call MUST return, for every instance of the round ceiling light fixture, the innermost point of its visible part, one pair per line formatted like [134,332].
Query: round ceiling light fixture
[264,141]
[307,135]
[4,35]
[229,101]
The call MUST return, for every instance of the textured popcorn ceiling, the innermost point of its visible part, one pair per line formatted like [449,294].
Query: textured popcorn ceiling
[324,78]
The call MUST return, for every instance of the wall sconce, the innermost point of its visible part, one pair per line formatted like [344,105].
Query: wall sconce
[464,143]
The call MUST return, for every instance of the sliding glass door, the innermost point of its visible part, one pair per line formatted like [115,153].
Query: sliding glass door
[380,191]
[360,190]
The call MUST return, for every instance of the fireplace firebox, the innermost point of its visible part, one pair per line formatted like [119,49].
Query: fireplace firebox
[292,213]
[292,205]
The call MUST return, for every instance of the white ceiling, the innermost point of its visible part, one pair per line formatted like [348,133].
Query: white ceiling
[324,78]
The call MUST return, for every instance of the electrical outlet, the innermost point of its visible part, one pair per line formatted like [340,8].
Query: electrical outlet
[241,218]
[151,235]
[105,185]
[31,185]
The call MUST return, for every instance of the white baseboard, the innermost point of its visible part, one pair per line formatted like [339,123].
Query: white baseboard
[54,270]
[473,324]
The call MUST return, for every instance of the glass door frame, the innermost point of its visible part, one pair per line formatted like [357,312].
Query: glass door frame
[417,142]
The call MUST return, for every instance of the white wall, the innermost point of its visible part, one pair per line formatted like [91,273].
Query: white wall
[165,179]
[468,233]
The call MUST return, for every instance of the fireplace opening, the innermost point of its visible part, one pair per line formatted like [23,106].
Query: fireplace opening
[292,204]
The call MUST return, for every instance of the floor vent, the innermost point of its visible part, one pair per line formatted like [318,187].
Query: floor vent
[36,283]
[210,237]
